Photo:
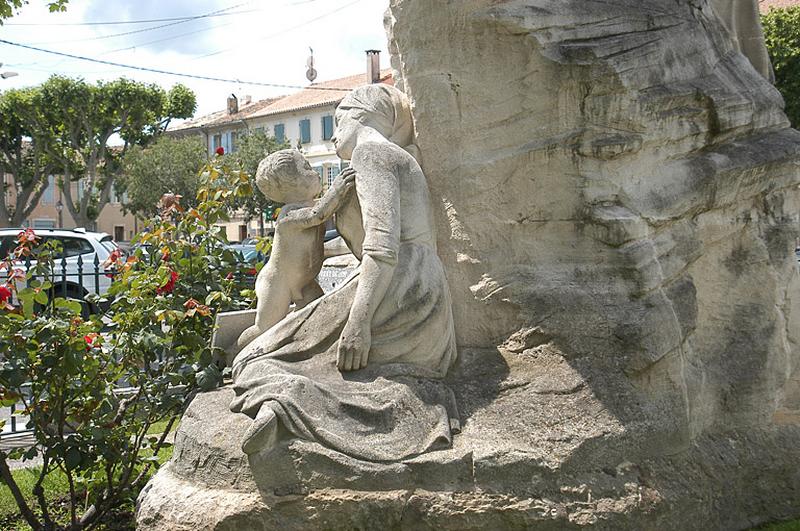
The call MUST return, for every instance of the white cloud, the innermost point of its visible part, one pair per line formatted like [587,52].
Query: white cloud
[269,44]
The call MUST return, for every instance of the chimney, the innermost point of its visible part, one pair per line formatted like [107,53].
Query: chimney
[248,99]
[373,66]
[233,104]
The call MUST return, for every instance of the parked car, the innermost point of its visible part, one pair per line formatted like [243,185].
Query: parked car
[248,257]
[79,266]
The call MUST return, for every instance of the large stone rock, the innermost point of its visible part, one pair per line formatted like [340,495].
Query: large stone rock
[618,177]
[618,202]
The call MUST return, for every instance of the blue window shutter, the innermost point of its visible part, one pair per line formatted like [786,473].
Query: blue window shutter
[327,127]
[320,170]
[305,131]
[280,133]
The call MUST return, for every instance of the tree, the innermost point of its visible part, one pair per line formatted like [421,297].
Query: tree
[250,150]
[782,33]
[26,162]
[77,121]
[7,7]
[167,165]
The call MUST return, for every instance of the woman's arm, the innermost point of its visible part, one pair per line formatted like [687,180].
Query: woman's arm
[379,196]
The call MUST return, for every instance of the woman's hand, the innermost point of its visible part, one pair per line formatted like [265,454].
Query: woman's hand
[354,346]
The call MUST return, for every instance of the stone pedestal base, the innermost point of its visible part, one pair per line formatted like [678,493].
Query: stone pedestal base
[539,449]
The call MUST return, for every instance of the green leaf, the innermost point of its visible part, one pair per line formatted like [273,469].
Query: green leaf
[42,298]
[68,305]
[73,458]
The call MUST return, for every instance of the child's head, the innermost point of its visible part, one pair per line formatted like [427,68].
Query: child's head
[286,177]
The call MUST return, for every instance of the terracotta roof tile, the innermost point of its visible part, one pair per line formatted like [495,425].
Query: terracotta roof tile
[222,117]
[304,99]
[310,98]
[766,5]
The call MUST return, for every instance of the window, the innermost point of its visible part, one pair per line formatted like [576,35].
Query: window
[233,138]
[216,141]
[330,174]
[305,131]
[79,189]
[44,224]
[48,197]
[7,244]
[71,247]
[280,133]
[327,127]
[320,170]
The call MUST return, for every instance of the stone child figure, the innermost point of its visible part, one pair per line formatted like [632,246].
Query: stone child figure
[297,249]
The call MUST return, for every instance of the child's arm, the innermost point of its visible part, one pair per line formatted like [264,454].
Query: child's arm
[312,216]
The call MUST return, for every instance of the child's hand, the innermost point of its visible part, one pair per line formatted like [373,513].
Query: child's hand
[344,181]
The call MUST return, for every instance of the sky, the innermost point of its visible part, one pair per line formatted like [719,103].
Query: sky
[265,41]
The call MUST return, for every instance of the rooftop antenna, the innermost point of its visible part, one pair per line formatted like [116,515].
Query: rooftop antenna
[311,74]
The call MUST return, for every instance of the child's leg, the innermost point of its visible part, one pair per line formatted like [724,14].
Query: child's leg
[309,293]
[273,305]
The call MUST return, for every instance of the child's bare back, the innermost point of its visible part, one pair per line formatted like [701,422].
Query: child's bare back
[297,248]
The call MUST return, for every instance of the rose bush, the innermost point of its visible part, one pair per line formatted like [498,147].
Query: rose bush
[93,388]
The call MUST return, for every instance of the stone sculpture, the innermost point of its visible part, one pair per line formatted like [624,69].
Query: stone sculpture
[616,197]
[289,277]
[392,319]
[742,19]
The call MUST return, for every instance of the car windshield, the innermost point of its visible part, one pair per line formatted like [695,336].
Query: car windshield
[7,244]
[250,255]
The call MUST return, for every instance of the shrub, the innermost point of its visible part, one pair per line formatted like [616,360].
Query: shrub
[782,33]
[154,342]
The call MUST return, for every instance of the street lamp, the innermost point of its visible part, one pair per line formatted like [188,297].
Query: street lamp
[60,209]
[7,74]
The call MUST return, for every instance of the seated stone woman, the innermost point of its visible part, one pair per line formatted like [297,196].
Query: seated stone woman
[359,369]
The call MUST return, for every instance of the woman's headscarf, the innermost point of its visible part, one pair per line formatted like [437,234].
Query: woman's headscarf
[389,110]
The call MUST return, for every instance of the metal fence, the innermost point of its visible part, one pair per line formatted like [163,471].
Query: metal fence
[73,277]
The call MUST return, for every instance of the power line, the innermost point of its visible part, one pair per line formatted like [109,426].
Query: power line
[172,37]
[151,28]
[283,31]
[119,22]
[166,72]
[144,21]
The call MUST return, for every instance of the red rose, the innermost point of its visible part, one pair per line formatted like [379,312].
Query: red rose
[5,293]
[91,340]
[220,151]
[169,287]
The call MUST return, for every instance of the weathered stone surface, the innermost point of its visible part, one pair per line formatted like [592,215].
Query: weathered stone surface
[624,184]
[617,200]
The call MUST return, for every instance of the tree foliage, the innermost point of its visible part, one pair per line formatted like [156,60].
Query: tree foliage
[250,150]
[72,122]
[27,163]
[167,165]
[7,7]
[782,33]
[155,341]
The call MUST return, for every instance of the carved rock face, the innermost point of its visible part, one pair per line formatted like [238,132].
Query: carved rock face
[618,177]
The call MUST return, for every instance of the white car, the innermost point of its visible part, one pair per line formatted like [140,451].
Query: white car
[79,268]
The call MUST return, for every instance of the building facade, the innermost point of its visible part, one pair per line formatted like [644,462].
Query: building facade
[304,119]
[51,212]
